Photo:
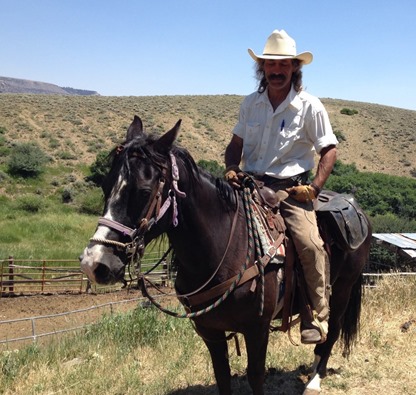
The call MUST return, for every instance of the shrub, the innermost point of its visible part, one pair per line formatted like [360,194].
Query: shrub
[377,193]
[67,195]
[26,160]
[30,203]
[100,168]
[212,167]
[92,203]
[66,155]
[340,136]
[390,223]
[347,111]
[3,176]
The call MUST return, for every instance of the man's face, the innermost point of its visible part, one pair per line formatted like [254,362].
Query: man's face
[278,73]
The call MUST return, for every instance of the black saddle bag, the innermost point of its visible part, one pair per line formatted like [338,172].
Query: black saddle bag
[344,218]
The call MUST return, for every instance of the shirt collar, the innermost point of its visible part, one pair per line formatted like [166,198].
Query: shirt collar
[292,100]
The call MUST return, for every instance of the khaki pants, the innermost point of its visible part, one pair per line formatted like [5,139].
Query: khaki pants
[302,224]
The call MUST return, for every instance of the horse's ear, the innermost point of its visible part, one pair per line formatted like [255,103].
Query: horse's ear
[166,141]
[135,129]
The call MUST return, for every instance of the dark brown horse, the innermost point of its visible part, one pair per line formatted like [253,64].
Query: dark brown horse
[154,188]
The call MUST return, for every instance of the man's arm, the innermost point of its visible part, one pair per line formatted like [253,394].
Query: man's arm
[325,165]
[306,193]
[233,152]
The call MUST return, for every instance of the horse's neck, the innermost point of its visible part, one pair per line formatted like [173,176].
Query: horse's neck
[203,233]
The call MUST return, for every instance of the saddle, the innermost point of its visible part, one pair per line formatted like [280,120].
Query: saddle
[339,216]
[337,212]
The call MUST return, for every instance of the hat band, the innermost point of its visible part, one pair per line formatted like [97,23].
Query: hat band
[276,54]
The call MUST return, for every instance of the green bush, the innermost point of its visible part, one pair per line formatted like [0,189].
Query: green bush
[348,111]
[26,160]
[92,203]
[340,136]
[3,176]
[100,168]
[30,203]
[212,167]
[378,194]
[390,223]
[67,195]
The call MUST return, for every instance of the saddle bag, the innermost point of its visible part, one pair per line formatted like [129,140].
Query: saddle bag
[344,218]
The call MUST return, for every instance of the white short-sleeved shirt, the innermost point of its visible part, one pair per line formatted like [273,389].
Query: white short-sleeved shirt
[282,143]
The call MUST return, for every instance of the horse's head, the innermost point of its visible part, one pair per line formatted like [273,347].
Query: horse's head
[139,191]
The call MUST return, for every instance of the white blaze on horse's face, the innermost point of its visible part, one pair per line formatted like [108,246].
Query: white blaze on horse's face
[94,254]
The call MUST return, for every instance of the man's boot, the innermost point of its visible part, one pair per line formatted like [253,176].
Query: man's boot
[313,331]
[314,326]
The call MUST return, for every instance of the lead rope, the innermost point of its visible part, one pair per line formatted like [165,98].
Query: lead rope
[254,242]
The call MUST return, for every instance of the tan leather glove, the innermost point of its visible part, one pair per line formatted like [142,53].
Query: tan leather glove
[302,193]
[233,175]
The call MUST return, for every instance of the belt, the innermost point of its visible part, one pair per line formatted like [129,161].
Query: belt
[281,183]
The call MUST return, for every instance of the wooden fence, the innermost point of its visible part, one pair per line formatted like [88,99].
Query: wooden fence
[25,277]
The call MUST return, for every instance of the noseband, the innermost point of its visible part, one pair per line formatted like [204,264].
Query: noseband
[155,212]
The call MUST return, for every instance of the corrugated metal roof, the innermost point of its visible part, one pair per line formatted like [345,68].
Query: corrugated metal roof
[405,241]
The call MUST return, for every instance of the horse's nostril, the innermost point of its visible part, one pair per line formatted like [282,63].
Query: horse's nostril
[102,274]
[81,257]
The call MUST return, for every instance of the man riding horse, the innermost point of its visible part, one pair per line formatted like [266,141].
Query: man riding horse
[280,128]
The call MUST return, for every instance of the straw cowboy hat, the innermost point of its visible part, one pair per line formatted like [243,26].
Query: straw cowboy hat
[280,45]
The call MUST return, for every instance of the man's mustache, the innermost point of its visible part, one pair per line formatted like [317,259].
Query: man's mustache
[277,76]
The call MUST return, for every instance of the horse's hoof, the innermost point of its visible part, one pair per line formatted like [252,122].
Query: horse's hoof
[311,392]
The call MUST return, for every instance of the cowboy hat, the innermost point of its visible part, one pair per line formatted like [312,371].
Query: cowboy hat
[280,45]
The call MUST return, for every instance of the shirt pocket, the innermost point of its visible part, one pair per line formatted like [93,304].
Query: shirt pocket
[290,134]
[252,136]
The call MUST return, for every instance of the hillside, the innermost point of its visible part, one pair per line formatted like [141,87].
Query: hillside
[16,85]
[72,129]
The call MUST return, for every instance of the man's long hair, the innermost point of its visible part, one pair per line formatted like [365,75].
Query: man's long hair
[296,76]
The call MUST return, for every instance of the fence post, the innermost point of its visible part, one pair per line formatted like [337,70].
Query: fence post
[43,276]
[1,279]
[33,330]
[11,275]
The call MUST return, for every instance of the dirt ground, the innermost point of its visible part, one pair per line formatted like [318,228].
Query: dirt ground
[42,315]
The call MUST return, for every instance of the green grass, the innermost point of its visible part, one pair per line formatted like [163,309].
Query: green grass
[45,235]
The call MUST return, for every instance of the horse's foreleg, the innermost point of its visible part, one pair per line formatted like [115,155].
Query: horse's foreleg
[256,343]
[218,349]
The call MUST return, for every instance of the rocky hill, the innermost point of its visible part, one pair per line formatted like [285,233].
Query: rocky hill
[15,85]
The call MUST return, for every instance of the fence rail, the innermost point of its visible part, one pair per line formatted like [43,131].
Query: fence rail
[64,322]
[25,277]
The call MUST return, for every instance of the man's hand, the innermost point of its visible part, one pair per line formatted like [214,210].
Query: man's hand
[302,193]
[234,176]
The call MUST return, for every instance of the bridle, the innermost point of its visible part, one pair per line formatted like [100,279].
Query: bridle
[135,248]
